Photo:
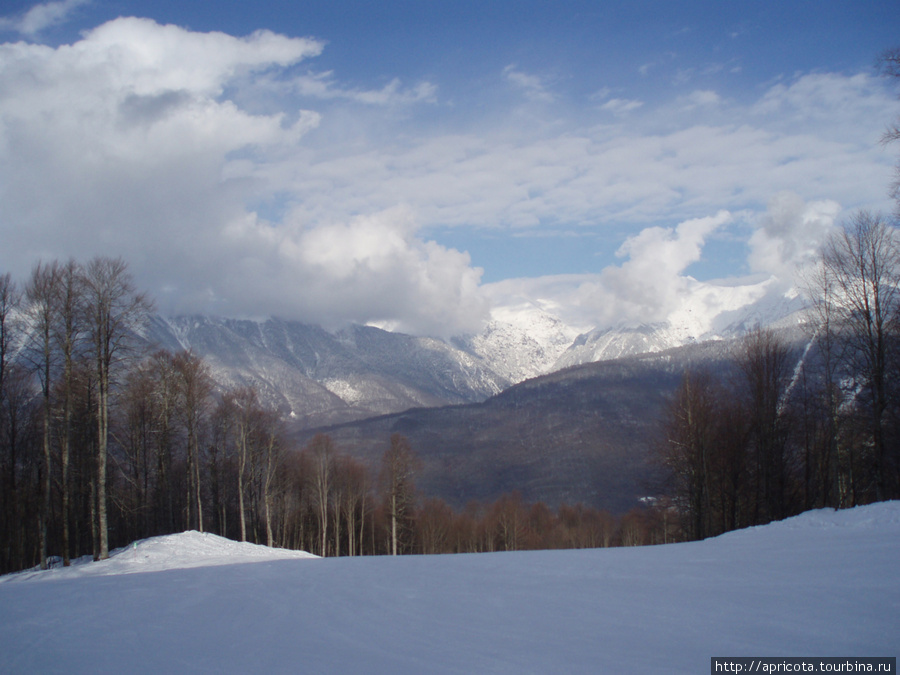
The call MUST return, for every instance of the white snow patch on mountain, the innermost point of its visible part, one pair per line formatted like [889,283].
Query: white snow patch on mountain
[523,341]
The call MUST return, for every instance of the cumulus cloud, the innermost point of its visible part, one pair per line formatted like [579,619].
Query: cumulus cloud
[650,283]
[790,235]
[372,269]
[126,143]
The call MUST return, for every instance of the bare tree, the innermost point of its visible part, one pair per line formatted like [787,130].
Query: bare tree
[354,492]
[10,324]
[116,311]
[433,526]
[221,450]
[398,469]
[195,386]
[244,401]
[321,450]
[41,293]
[164,403]
[863,259]
[11,335]
[690,428]
[764,363]
[508,522]
[272,442]
[827,395]
[69,300]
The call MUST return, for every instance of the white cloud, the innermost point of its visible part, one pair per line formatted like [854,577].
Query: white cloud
[701,97]
[621,106]
[125,143]
[651,283]
[41,17]
[649,286]
[854,104]
[324,86]
[146,141]
[371,269]
[532,85]
[790,235]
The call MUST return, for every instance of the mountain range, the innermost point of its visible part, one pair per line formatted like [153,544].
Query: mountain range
[529,404]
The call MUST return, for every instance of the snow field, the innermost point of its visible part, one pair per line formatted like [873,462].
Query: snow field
[822,584]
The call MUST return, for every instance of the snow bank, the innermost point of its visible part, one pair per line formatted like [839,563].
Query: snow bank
[172,551]
[822,584]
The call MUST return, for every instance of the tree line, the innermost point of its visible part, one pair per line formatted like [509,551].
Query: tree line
[104,441]
[789,428]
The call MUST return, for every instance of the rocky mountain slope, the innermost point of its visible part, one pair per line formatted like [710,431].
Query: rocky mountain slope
[314,377]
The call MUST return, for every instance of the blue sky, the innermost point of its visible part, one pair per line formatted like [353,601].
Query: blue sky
[401,163]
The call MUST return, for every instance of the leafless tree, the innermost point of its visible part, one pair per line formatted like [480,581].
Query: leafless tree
[434,523]
[69,300]
[398,468]
[115,311]
[863,259]
[11,335]
[322,451]
[246,404]
[195,387]
[164,404]
[355,483]
[10,324]
[41,293]
[273,445]
[765,368]
[690,430]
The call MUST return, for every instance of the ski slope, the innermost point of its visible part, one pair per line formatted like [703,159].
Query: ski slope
[824,583]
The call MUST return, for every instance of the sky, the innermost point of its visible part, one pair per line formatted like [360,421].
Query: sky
[415,164]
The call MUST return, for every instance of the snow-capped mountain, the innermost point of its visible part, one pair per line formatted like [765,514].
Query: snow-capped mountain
[713,312]
[521,342]
[318,377]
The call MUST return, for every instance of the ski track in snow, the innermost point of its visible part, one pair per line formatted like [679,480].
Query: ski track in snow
[824,583]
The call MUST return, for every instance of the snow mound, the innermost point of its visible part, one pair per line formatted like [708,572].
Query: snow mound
[881,516]
[874,516]
[171,551]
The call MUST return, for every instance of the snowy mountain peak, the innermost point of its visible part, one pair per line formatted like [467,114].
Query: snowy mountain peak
[710,312]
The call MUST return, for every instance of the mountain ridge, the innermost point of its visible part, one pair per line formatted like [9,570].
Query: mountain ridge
[315,377]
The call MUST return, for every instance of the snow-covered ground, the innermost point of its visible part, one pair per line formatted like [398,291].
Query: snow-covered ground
[822,584]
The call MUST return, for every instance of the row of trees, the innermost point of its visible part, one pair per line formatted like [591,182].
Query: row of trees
[62,338]
[790,428]
[337,506]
